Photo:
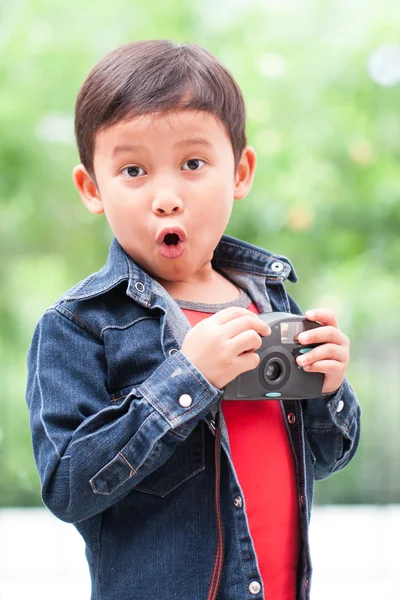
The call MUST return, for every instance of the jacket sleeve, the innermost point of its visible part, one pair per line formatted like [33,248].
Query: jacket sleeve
[90,453]
[332,425]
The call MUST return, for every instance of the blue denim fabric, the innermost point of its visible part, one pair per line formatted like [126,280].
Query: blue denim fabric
[132,469]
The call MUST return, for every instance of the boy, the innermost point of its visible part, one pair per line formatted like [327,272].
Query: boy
[127,369]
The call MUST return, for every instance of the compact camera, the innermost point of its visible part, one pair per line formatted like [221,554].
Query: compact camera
[278,375]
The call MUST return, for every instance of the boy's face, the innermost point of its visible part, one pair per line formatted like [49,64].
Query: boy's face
[170,170]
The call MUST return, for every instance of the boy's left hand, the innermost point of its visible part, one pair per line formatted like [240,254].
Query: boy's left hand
[333,356]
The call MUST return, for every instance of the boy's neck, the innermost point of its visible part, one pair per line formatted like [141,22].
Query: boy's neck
[215,289]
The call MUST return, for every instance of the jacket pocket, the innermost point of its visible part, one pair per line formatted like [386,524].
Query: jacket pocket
[187,460]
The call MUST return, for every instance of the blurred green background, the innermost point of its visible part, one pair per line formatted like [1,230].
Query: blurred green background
[321,82]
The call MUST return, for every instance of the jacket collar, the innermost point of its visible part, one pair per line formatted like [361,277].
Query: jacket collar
[230,254]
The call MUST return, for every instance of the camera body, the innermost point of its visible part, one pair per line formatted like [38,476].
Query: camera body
[278,376]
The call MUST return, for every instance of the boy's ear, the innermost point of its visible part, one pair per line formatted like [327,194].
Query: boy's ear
[245,173]
[87,190]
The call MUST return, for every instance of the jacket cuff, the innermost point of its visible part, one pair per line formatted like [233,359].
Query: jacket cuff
[179,391]
[342,407]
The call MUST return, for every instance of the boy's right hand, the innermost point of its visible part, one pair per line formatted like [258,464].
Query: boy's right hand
[223,346]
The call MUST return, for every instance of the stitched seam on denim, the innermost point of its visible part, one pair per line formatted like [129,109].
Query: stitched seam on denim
[153,398]
[190,371]
[127,462]
[158,406]
[119,398]
[237,267]
[260,275]
[131,278]
[41,396]
[303,473]
[132,440]
[173,418]
[242,517]
[339,438]
[185,431]
[154,454]
[131,387]
[289,436]
[172,336]
[89,280]
[122,327]
[163,495]
[284,300]
[107,493]
[82,287]
[94,293]
[111,462]
[263,255]
[60,310]
[321,425]
[346,427]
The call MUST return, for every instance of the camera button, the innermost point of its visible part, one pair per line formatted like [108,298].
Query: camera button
[340,406]
[291,417]
[238,502]
[277,267]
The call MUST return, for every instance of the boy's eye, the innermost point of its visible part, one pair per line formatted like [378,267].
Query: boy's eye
[193,164]
[133,171]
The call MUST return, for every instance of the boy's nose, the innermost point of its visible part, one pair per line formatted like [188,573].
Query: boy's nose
[167,202]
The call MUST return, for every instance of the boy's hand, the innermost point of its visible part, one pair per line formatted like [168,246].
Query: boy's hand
[333,356]
[223,346]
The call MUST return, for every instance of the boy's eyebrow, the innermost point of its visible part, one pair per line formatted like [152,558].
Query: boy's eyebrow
[120,149]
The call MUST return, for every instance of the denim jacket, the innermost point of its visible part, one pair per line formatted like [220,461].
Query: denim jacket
[133,468]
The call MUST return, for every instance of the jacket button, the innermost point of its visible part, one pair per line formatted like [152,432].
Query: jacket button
[185,400]
[238,502]
[277,267]
[172,351]
[139,286]
[340,406]
[291,417]
[254,587]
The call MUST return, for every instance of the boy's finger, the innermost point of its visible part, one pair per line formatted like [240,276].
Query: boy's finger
[245,323]
[322,335]
[325,316]
[331,367]
[324,352]
[232,312]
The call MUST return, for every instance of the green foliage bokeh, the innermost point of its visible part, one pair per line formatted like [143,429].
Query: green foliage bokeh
[325,194]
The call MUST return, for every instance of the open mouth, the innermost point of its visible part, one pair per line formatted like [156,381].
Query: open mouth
[171,244]
[171,239]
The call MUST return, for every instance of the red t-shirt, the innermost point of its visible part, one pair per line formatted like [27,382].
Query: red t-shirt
[264,465]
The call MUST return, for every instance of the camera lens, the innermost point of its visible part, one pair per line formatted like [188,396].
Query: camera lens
[273,370]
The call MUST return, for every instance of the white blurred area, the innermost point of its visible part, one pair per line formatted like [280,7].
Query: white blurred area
[354,548]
